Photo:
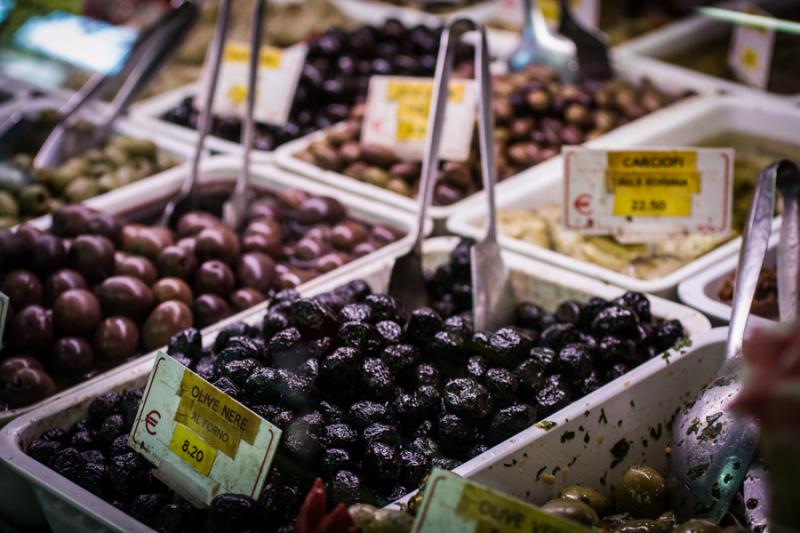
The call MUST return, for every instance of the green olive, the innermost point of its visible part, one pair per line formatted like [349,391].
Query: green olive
[641,526]
[389,521]
[668,519]
[136,147]
[58,181]
[8,205]
[93,155]
[165,161]
[33,199]
[376,176]
[697,525]
[614,521]
[362,514]
[109,182]
[116,155]
[22,160]
[80,189]
[75,167]
[573,510]
[587,495]
[142,168]
[8,222]
[399,186]
[641,492]
[54,204]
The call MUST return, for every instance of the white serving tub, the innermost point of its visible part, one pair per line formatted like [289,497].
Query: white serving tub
[694,33]
[629,68]
[681,125]
[376,12]
[69,507]
[700,291]
[537,463]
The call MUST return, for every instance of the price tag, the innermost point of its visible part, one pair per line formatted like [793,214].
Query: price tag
[452,503]
[278,75]
[4,303]
[511,12]
[202,441]
[396,116]
[750,51]
[645,195]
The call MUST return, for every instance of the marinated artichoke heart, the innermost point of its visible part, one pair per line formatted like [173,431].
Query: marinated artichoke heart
[542,227]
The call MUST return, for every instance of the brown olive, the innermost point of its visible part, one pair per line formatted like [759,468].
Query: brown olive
[61,281]
[187,243]
[194,222]
[245,298]
[209,309]
[364,248]
[697,525]
[177,262]
[263,209]
[258,242]
[214,277]
[32,330]
[26,386]
[164,321]
[293,277]
[135,266]
[293,198]
[12,364]
[92,256]
[172,289]
[256,271]
[308,249]
[378,155]
[406,171]
[321,209]
[48,253]
[126,296]
[71,356]
[587,495]
[446,195]
[641,525]
[76,312]
[23,288]
[346,235]
[217,243]
[116,339]
[331,261]
[145,240]
[573,510]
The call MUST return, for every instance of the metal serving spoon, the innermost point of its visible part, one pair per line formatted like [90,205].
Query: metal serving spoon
[185,196]
[591,45]
[711,449]
[234,210]
[407,280]
[539,46]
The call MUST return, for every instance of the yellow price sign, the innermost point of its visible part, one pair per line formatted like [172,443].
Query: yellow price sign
[192,449]
[652,202]
[749,58]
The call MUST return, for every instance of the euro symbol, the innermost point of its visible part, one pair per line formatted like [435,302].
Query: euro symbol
[151,421]
[583,204]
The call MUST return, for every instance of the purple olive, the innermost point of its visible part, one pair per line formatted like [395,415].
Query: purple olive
[26,386]
[165,321]
[71,356]
[92,256]
[214,277]
[217,243]
[135,266]
[116,339]
[62,281]
[209,309]
[167,289]
[176,262]
[256,270]
[106,225]
[23,288]
[76,312]
[194,222]
[246,298]
[32,330]
[70,220]
[126,296]
[48,253]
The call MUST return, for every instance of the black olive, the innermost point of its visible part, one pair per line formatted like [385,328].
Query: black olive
[339,436]
[466,397]
[229,513]
[274,322]
[667,334]
[617,370]
[130,474]
[362,336]
[613,349]
[427,446]
[559,335]
[459,325]
[119,446]
[511,420]
[346,487]
[238,371]
[43,450]
[381,433]
[377,381]
[568,312]
[590,309]
[423,324]
[615,320]
[237,329]
[146,507]
[381,462]
[335,459]
[355,313]
[312,317]
[384,307]
[456,435]
[301,441]
[339,372]
[426,374]
[502,385]
[390,331]
[592,382]
[639,303]
[176,517]
[102,407]
[365,413]
[413,467]
[129,406]
[188,342]
[446,345]
[529,315]
[530,377]
[112,427]
[508,345]
[477,367]
[575,360]
[553,396]
[399,357]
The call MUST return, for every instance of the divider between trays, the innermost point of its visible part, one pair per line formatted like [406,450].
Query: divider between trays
[64,501]
[375,12]
[693,117]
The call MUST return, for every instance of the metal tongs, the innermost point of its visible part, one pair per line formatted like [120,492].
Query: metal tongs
[493,302]
[538,46]
[711,448]
[591,45]
[149,53]
[235,208]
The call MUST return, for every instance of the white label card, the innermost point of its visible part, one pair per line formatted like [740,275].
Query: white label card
[202,441]
[750,51]
[278,75]
[643,195]
[397,110]
[511,12]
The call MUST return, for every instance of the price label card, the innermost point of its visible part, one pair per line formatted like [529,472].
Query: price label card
[202,441]
[4,303]
[452,503]
[278,74]
[750,51]
[511,12]
[645,195]
[396,116]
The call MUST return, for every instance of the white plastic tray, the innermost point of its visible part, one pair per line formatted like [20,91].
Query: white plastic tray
[701,291]
[69,507]
[682,125]
[695,32]
[629,68]
[376,12]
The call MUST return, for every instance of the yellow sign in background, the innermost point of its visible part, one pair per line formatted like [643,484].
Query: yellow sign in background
[413,106]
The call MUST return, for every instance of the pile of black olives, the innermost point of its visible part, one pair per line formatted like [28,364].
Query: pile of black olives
[335,77]
[370,396]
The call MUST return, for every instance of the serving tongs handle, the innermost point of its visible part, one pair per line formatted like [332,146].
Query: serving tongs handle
[206,112]
[788,271]
[154,46]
